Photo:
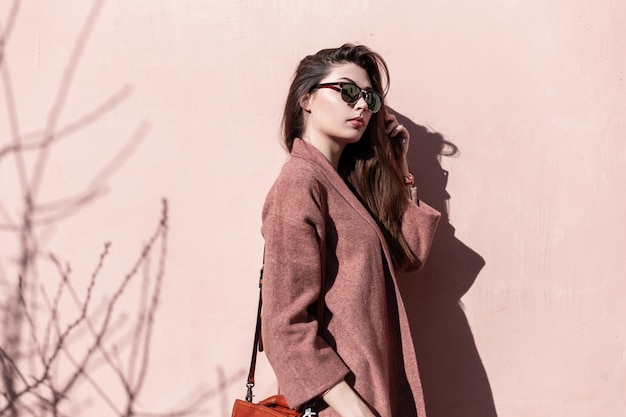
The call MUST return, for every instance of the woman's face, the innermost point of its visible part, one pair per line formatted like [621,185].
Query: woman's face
[329,117]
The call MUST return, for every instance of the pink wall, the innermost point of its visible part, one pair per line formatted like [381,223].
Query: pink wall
[530,94]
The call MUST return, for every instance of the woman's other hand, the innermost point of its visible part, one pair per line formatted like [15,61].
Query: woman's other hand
[398,133]
[346,402]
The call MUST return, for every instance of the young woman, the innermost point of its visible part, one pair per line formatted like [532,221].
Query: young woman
[346,188]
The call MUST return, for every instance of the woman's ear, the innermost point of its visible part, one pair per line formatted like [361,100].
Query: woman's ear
[305,102]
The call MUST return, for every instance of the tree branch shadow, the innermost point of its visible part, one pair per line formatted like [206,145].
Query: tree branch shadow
[47,364]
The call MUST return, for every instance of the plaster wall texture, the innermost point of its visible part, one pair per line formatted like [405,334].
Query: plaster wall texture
[528,97]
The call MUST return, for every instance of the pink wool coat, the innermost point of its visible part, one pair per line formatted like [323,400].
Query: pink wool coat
[366,338]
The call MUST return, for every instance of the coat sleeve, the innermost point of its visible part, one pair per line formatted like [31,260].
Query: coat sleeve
[419,224]
[305,365]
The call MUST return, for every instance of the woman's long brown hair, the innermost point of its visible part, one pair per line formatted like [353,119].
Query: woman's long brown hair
[370,165]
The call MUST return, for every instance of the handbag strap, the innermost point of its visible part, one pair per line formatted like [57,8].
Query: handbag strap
[257,338]
[257,346]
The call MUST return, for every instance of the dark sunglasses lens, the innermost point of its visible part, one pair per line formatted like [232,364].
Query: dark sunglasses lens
[350,93]
[374,101]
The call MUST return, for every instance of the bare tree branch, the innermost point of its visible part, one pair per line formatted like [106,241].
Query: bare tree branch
[6,32]
[45,359]
[12,115]
[62,94]
[36,141]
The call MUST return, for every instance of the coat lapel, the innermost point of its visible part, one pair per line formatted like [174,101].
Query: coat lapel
[303,150]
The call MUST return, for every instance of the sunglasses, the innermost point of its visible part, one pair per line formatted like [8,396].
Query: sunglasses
[351,93]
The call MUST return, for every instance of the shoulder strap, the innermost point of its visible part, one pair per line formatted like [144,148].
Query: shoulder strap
[258,342]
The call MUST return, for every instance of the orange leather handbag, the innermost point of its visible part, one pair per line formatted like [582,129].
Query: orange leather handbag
[274,406]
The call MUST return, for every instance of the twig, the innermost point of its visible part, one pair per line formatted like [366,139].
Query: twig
[155,298]
[98,336]
[35,141]
[6,32]
[53,305]
[62,94]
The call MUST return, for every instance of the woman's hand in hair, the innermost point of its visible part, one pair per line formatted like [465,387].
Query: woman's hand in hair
[399,135]
[400,139]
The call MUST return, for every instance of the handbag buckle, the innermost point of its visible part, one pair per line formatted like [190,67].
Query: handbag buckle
[308,412]
[249,392]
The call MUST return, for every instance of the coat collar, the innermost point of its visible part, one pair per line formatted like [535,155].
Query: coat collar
[308,152]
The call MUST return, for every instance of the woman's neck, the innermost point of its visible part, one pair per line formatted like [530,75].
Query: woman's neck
[329,148]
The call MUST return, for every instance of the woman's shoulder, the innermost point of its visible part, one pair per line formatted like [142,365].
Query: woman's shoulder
[294,184]
[298,174]
[297,187]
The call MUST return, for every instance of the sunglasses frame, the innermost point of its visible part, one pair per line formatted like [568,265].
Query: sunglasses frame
[351,99]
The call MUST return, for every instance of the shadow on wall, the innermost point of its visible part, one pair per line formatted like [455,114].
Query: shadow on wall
[453,377]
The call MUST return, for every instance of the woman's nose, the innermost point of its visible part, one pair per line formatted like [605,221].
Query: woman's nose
[361,103]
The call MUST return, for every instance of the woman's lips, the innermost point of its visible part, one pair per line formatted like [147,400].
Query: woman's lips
[357,122]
